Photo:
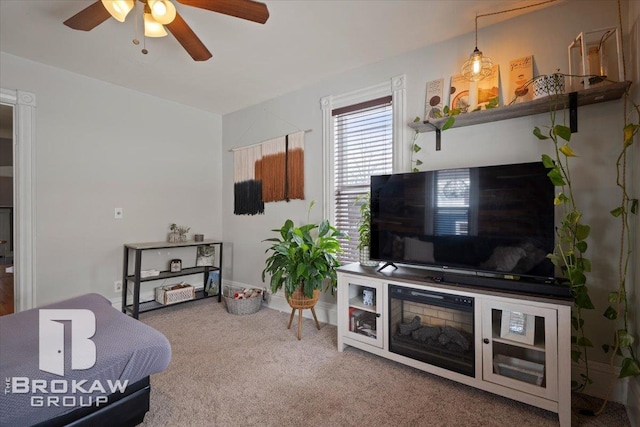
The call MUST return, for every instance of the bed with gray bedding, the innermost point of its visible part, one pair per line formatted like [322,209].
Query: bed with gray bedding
[126,350]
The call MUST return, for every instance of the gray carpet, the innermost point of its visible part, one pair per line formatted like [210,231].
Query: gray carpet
[230,370]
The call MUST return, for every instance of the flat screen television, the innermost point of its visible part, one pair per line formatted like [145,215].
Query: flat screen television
[490,226]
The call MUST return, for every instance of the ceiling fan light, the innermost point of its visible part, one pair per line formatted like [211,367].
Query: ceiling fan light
[163,11]
[119,9]
[477,67]
[152,28]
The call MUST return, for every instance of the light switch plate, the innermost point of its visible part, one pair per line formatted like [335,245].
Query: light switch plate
[119,213]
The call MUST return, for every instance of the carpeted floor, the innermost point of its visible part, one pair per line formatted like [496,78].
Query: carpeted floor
[230,370]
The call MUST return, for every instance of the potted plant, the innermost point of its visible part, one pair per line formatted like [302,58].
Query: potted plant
[302,258]
[364,230]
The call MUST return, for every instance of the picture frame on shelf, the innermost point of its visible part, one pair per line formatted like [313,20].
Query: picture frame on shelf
[518,326]
[205,255]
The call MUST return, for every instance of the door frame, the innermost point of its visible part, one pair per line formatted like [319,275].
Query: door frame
[24,260]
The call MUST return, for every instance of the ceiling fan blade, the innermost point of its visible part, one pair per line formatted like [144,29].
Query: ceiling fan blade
[89,18]
[244,9]
[188,39]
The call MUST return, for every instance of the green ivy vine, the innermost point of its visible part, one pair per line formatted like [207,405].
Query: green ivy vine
[571,244]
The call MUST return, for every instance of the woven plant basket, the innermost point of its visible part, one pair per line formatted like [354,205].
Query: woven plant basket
[299,300]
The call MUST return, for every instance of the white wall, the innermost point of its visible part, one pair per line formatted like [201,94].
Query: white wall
[100,146]
[545,34]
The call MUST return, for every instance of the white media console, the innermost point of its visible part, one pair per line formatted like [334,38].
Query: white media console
[511,344]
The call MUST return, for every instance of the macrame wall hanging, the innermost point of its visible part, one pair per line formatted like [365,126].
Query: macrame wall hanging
[271,171]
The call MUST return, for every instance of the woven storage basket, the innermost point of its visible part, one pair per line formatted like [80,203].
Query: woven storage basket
[241,306]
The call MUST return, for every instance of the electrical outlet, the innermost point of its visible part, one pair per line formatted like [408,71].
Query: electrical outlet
[117,286]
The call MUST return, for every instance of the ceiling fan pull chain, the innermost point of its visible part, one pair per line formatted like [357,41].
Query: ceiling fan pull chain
[135,21]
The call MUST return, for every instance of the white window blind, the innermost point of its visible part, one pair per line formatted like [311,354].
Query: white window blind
[363,135]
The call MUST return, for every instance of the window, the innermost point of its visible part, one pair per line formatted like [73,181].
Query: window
[363,133]
[363,146]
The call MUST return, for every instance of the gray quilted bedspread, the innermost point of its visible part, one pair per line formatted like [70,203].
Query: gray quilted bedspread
[126,349]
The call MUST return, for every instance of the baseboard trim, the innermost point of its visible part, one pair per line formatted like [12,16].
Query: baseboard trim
[600,373]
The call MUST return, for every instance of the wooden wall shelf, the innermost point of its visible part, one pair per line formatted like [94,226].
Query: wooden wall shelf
[593,95]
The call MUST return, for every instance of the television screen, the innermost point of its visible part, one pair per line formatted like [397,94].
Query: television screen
[493,221]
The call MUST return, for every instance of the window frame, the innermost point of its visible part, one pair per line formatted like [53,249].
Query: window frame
[396,88]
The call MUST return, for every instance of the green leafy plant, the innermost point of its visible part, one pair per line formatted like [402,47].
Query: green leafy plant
[571,244]
[415,148]
[364,226]
[303,257]
[618,308]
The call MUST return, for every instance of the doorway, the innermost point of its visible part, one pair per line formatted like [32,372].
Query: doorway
[22,247]
[6,210]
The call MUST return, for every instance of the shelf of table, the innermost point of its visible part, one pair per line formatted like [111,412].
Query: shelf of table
[154,305]
[167,274]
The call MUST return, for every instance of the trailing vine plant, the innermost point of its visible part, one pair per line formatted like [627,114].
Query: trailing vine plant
[618,309]
[415,148]
[571,233]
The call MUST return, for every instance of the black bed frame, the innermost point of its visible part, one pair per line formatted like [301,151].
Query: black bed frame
[122,409]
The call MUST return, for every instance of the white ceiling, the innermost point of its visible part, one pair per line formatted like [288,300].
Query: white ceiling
[302,43]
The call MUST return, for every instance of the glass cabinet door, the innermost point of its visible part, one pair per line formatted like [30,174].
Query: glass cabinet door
[520,347]
[363,316]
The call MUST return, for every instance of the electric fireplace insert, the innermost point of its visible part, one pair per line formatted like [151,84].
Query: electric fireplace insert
[433,327]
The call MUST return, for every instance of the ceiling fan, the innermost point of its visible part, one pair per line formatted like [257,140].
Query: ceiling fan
[161,13]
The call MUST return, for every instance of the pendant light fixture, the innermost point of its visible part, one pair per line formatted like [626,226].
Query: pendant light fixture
[478,66]
[119,9]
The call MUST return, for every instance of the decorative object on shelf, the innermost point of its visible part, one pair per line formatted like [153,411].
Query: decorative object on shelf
[459,93]
[595,57]
[198,237]
[518,326]
[172,294]
[364,231]
[175,265]
[487,94]
[211,286]
[368,296]
[520,73]
[182,232]
[300,260]
[174,236]
[434,99]
[149,273]
[204,256]
[548,85]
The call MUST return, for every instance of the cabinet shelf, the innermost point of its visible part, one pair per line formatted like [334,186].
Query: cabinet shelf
[592,95]
[357,302]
